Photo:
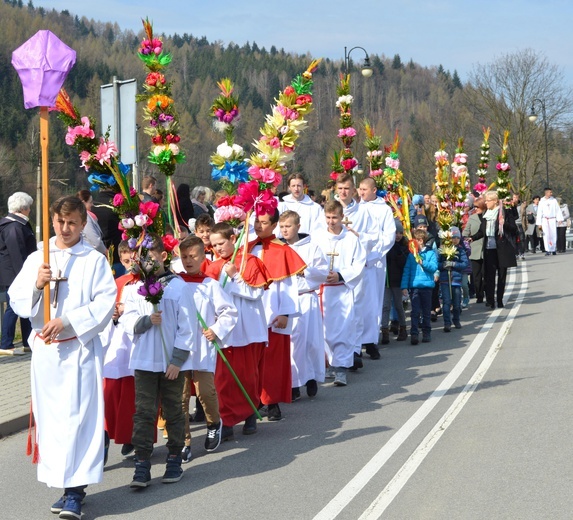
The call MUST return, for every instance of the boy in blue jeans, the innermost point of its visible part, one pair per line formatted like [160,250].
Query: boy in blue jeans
[418,278]
[451,274]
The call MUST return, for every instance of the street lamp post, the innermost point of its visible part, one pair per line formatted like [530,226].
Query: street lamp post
[366,68]
[533,118]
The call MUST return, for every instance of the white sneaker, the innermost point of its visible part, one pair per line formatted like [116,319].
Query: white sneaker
[330,374]
[19,351]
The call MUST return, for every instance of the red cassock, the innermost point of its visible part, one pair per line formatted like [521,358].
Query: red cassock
[246,360]
[281,262]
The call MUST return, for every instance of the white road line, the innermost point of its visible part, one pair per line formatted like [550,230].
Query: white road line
[385,498]
[357,483]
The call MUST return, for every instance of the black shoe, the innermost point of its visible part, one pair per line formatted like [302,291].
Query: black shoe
[358,363]
[250,425]
[457,325]
[426,338]
[274,413]
[142,474]
[127,450]
[372,351]
[311,388]
[433,316]
[447,328]
[413,339]
[295,394]
[213,438]
[490,304]
[227,433]
[479,300]
[173,469]
[500,305]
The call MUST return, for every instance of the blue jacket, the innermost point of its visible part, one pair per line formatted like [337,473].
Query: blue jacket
[420,276]
[461,263]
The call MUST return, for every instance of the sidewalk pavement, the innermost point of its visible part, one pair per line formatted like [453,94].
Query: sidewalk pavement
[16,393]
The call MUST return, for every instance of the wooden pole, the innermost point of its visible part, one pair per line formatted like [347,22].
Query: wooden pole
[44,141]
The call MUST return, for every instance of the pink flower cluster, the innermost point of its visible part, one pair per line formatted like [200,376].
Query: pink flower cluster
[83,130]
[106,150]
[263,203]
[266,175]
[154,46]
[348,164]
[226,213]
[504,167]
[392,163]
[461,158]
[376,173]
[287,113]
[347,132]
[226,117]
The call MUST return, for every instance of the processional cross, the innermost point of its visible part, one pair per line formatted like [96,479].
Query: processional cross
[57,281]
[331,255]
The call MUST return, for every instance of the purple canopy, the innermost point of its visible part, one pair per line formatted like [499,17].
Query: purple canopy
[42,62]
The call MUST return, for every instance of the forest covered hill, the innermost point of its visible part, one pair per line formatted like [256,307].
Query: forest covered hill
[424,104]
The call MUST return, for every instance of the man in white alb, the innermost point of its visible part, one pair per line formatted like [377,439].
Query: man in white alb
[548,216]
[311,214]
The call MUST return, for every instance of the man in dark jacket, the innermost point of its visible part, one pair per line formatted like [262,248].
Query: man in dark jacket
[17,241]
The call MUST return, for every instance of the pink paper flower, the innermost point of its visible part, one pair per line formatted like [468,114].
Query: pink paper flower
[85,156]
[118,199]
[106,150]
[376,173]
[275,142]
[348,164]
[502,167]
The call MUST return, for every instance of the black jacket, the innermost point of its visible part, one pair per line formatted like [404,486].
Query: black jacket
[395,262]
[17,241]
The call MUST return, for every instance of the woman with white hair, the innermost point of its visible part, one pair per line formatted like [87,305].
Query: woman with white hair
[499,231]
[200,202]
[17,241]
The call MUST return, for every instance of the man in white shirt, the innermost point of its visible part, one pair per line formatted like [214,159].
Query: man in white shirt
[548,216]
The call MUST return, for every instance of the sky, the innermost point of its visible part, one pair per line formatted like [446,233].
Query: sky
[455,34]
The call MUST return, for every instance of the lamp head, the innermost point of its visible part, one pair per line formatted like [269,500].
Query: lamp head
[533,115]
[367,68]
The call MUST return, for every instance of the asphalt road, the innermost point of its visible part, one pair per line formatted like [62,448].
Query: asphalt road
[474,425]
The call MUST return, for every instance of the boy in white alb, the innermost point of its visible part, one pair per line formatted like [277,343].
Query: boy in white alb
[66,369]
[346,263]
[307,338]
[245,281]
[216,308]
[164,333]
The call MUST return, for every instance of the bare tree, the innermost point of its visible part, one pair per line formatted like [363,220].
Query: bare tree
[501,94]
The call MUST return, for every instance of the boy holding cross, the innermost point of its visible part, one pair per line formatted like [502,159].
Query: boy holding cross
[347,258]
[66,370]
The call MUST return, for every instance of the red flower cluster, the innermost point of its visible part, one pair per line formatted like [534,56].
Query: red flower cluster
[154,79]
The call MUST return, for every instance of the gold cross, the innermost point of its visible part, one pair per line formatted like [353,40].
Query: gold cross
[346,222]
[332,255]
[57,281]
